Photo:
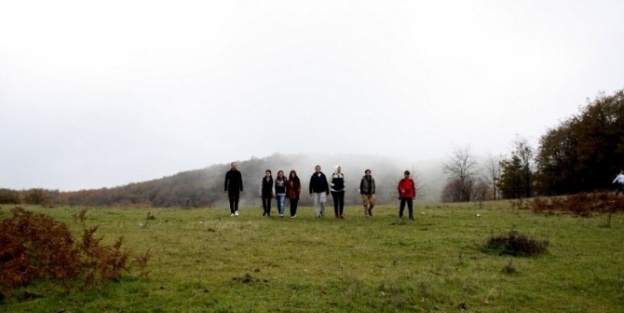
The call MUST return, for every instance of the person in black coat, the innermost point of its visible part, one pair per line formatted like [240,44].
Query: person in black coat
[233,187]
[319,190]
[266,192]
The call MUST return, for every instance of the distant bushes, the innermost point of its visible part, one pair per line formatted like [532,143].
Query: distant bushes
[583,204]
[515,244]
[35,246]
[8,196]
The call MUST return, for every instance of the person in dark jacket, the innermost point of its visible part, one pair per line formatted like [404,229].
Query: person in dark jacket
[319,190]
[407,193]
[367,190]
[266,192]
[338,192]
[293,191]
[233,187]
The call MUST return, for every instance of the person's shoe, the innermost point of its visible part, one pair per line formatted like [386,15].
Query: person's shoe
[282,215]
[341,216]
[235,213]
[231,214]
[293,216]
[370,212]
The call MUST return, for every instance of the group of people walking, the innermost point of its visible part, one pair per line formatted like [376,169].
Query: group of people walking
[282,188]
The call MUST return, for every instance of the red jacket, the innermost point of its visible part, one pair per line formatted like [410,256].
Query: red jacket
[407,189]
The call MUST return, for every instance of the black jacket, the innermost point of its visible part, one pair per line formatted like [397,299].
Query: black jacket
[267,187]
[233,181]
[318,183]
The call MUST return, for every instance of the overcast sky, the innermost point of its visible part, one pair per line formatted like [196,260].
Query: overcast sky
[104,93]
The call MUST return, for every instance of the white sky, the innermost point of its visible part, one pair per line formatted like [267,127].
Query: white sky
[104,93]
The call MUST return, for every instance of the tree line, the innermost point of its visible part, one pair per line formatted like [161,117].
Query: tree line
[582,154]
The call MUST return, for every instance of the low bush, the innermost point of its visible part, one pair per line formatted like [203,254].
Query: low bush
[35,246]
[515,244]
[583,204]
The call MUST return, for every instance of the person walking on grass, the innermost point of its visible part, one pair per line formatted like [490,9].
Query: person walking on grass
[266,192]
[233,187]
[619,180]
[293,190]
[281,184]
[338,192]
[319,190]
[407,193]
[367,190]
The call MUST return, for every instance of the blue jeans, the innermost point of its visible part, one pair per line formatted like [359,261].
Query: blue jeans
[281,202]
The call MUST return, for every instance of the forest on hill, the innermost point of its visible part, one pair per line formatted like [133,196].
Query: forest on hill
[581,154]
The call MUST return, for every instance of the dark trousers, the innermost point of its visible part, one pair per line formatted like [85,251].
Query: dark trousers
[266,205]
[410,204]
[233,197]
[293,206]
[338,197]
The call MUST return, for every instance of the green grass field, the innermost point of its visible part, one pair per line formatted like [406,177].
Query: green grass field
[203,260]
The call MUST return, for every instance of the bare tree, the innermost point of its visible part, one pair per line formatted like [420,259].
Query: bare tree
[461,170]
[492,173]
[481,191]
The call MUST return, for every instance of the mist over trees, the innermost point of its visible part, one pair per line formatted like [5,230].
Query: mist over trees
[461,170]
[581,154]
[204,187]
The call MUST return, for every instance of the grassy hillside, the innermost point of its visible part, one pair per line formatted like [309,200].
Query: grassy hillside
[205,261]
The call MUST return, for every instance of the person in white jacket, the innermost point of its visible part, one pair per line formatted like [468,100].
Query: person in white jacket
[619,180]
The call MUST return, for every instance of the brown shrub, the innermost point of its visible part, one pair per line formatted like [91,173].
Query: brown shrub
[35,246]
[583,204]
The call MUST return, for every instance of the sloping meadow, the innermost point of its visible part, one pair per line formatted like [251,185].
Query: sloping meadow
[203,260]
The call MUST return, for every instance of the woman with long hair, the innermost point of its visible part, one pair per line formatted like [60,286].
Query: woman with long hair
[280,192]
[293,190]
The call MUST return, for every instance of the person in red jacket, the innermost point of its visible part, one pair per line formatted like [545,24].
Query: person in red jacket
[407,193]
